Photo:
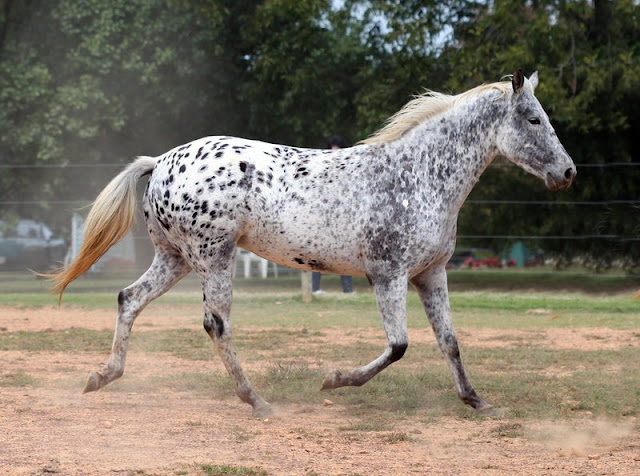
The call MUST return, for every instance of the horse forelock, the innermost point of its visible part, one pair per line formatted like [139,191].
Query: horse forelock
[428,105]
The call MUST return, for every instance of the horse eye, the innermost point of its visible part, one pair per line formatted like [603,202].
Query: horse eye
[534,121]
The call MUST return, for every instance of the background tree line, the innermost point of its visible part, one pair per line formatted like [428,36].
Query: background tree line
[94,82]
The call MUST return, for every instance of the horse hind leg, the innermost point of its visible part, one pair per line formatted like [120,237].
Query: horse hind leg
[217,323]
[166,269]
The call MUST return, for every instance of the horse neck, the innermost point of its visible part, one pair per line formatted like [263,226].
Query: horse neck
[453,149]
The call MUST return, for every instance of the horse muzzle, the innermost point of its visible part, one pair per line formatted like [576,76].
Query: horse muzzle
[560,181]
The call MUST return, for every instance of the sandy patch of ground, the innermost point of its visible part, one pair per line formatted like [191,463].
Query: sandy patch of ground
[51,428]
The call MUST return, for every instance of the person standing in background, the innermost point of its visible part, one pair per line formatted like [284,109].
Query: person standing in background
[333,142]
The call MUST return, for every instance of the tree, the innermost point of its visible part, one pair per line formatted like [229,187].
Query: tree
[91,81]
[589,85]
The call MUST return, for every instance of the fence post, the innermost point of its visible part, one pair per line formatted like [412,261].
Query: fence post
[305,280]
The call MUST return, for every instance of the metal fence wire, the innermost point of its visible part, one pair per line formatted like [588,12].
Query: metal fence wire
[136,252]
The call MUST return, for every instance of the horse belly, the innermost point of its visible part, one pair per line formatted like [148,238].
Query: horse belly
[306,246]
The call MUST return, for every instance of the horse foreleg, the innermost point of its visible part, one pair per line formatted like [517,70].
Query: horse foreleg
[432,287]
[391,297]
[165,270]
[217,323]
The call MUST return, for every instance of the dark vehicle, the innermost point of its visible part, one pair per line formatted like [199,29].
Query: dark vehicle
[30,244]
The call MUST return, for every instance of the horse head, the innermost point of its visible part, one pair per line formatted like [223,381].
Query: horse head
[527,138]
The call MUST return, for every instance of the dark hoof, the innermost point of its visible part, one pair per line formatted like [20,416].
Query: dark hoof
[93,383]
[332,380]
[488,411]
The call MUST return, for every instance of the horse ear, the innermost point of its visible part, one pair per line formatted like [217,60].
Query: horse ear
[517,81]
[534,80]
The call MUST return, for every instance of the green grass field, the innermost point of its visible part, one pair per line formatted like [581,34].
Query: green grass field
[526,379]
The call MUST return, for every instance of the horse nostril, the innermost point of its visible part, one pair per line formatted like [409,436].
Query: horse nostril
[568,174]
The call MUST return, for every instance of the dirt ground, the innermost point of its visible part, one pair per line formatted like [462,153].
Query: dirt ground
[51,428]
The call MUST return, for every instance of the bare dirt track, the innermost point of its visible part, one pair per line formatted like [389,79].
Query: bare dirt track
[48,427]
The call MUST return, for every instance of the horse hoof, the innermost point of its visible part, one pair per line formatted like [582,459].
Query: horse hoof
[93,383]
[262,412]
[332,380]
[487,411]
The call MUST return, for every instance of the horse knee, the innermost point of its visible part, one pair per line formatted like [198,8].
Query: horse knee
[213,325]
[128,307]
[123,298]
[397,351]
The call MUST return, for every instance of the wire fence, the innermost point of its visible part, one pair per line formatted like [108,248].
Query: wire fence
[139,237]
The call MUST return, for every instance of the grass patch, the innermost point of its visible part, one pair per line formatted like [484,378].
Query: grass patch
[68,340]
[18,379]
[280,310]
[522,302]
[396,437]
[368,424]
[509,430]
[543,279]
[520,381]
[290,381]
[224,470]
[527,380]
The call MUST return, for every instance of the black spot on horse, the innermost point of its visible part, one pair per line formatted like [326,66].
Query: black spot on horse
[298,260]
[165,225]
[214,324]
[318,265]
[122,297]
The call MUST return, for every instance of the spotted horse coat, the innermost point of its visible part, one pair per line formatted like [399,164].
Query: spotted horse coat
[385,209]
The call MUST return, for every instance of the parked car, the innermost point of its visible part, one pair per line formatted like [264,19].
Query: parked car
[30,244]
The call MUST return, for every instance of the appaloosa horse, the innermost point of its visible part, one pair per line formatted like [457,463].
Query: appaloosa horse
[385,209]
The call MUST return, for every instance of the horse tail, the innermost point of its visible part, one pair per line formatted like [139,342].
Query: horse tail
[108,222]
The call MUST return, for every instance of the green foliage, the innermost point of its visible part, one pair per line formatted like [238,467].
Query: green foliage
[307,57]
[95,82]
[589,69]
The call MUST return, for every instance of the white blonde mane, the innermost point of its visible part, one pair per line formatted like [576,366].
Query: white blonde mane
[426,106]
